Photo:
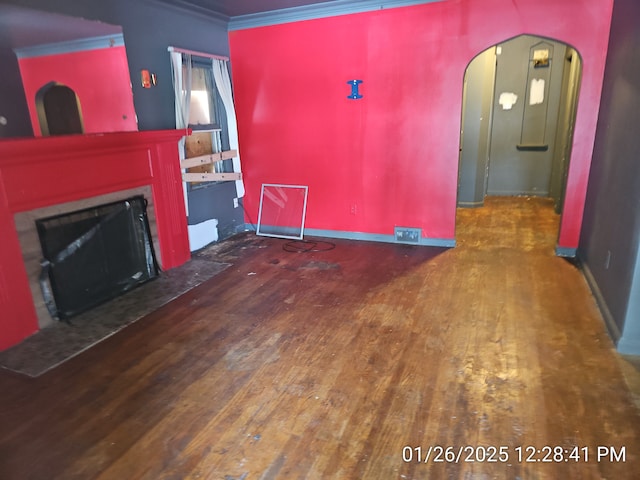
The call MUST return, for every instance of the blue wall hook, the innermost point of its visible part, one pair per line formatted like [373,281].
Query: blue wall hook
[355,95]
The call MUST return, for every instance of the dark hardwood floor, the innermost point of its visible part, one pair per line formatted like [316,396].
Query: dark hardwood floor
[336,364]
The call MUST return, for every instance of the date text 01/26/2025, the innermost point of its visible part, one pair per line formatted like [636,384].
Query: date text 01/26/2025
[519,454]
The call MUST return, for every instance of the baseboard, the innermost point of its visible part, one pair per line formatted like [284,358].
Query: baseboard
[367,237]
[609,321]
[566,252]
[471,204]
[245,227]
[377,237]
[628,346]
[519,193]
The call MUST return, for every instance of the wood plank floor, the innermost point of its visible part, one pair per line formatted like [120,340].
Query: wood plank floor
[335,364]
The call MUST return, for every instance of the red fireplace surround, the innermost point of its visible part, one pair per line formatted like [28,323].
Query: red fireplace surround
[40,172]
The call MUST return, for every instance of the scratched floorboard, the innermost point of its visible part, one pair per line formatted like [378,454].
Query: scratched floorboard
[327,364]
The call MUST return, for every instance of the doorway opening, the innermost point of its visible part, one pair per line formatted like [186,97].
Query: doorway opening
[59,111]
[518,115]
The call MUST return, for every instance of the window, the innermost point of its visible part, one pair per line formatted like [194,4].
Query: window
[206,116]
[202,108]
[213,118]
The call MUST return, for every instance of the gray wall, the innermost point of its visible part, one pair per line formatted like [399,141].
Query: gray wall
[476,117]
[564,132]
[523,137]
[13,104]
[630,341]
[611,227]
[489,160]
[149,28]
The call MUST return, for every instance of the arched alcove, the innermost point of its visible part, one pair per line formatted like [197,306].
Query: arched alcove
[59,111]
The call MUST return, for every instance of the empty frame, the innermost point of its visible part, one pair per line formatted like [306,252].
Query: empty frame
[282,211]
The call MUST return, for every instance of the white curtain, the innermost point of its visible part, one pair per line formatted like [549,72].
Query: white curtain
[223,84]
[181,86]
[182,91]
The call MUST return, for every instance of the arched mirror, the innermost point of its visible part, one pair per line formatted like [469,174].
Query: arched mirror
[62,75]
[59,110]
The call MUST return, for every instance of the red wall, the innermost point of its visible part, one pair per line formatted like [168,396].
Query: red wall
[391,158]
[99,77]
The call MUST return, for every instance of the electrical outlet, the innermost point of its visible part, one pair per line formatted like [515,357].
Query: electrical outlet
[408,235]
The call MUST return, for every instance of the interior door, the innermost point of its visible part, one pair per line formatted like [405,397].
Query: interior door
[525,113]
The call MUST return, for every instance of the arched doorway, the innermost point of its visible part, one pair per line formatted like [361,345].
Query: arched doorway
[59,111]
[519,104]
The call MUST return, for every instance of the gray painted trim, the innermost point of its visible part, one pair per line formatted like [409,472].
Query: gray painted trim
[369,237]
[244,227]
[471,204]
[629,346]
[79,45]
[314,11]
[609,321]
[566,252]
[629,343]
[518,193]
[377,237]
[280,232]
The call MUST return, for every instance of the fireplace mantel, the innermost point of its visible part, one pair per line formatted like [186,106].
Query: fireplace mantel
[45,171]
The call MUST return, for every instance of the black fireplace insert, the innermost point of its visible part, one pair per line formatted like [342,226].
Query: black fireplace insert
[94,255]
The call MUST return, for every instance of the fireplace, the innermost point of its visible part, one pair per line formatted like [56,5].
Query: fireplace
[94,255]
[37,175]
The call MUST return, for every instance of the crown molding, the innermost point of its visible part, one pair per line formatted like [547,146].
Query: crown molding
[314,11]
[70,46]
